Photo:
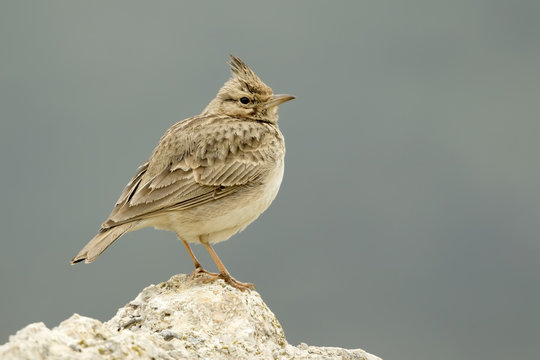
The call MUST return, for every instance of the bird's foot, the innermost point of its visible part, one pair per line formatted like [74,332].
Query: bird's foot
[235,283]
[210,276]
[199,270]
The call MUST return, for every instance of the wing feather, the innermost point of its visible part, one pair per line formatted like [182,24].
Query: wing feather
[197,161]
[132,186]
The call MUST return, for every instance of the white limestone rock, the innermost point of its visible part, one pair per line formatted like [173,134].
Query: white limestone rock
[183,318]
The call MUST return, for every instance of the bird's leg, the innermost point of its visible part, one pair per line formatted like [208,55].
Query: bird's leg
[223,273]
[198,267]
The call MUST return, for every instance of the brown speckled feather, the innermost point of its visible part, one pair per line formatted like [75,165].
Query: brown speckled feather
[197,161]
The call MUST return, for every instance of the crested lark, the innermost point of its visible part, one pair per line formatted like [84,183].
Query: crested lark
[210,175]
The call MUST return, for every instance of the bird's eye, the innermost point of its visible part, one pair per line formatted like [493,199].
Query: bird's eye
[244,100]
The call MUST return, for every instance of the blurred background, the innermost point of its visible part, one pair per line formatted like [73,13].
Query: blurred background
[408,220]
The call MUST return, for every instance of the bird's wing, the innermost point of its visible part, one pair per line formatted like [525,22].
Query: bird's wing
[193,166]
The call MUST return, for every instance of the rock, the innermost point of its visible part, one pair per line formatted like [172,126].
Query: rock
[183,318]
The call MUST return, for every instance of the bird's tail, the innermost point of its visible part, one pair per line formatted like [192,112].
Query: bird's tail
[101,242]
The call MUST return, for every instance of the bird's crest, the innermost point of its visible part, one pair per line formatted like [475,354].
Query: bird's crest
[247,76]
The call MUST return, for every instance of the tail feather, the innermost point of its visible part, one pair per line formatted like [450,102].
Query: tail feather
[100,243]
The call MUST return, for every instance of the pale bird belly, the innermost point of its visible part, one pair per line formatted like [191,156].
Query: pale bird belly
[222,219]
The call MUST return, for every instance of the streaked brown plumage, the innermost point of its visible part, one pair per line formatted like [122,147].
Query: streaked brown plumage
[209,176]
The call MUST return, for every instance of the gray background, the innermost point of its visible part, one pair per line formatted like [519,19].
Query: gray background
[408,221]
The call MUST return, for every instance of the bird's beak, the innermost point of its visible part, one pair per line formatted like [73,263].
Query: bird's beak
[279,99]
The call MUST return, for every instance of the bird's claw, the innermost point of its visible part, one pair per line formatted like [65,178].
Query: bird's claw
[242,286]
[210,276]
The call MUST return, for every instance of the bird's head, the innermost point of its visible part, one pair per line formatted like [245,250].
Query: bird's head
[245,95]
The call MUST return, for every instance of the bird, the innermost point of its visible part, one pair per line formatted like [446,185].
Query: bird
[209,176]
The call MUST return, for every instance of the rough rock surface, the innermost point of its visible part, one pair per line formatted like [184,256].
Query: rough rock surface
[183,318]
